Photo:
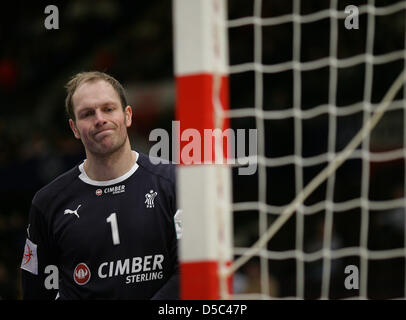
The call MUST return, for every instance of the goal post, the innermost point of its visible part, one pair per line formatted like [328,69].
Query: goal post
[204,189]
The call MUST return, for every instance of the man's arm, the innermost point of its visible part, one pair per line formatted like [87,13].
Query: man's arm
[37,256]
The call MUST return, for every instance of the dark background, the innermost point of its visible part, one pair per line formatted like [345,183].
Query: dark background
[132,40]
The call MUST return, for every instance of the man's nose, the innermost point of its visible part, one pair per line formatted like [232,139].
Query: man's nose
[99,118]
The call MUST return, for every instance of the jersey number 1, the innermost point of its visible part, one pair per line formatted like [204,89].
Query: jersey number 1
[112,219]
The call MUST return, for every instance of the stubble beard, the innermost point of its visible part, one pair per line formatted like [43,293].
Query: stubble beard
[99,150]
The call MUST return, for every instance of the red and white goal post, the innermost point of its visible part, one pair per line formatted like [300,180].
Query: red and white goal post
[204,184]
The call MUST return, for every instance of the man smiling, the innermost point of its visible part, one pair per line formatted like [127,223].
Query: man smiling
[113,245]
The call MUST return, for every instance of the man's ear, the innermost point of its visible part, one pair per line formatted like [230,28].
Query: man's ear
[128,113]
[74,129]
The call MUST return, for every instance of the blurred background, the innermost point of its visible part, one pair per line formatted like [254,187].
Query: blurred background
[132,40]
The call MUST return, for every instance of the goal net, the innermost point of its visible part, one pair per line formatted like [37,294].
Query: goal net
[322,216]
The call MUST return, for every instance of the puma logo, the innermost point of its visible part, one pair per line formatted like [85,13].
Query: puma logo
[75,212]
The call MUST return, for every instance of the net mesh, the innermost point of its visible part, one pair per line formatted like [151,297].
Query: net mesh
[328,103]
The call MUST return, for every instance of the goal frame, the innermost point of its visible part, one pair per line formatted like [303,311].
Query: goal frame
[204,190]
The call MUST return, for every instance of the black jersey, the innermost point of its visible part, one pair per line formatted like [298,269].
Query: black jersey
[104,239]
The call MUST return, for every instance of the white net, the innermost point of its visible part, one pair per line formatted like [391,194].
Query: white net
[323,217]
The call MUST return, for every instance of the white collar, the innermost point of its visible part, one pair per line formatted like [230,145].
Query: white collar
[85,178]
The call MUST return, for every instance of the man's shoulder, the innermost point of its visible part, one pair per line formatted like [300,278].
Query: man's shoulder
[56,186]
[158,167]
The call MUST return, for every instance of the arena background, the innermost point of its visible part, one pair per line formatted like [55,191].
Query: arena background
[132,40]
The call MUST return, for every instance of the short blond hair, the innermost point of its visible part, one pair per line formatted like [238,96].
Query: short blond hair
[90,76]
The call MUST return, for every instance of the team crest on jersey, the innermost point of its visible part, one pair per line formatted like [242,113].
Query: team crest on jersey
[149,198]
[81,274]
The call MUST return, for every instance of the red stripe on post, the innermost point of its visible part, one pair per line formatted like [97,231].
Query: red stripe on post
[199,281]
[195,110]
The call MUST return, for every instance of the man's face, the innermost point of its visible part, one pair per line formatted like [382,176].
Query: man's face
[101,123]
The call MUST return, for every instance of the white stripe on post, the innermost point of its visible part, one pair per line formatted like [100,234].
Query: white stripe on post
[199,47]
[198,199]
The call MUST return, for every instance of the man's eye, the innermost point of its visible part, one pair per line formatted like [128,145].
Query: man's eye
[86,114]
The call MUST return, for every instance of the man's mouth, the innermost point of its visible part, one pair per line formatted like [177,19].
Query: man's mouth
[102,132]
